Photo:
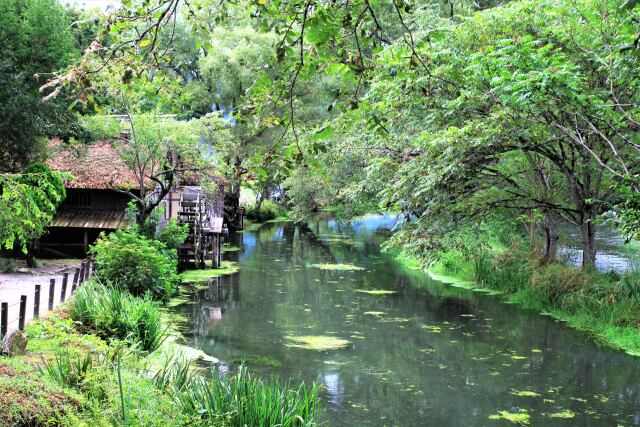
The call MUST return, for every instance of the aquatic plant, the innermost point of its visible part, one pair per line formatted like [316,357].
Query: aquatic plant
[520,418]
[337,267]
[317,342]
[566,414]
[114,313]
[238,400]
[376,291]
[194,276]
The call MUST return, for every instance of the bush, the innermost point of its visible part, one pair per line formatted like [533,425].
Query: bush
[136,263]
[114,313]
[8,265]
[240,399]
[268,210]
[173,235]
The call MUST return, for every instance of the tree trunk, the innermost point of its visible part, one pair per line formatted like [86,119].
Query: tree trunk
[588,232]
[551,238]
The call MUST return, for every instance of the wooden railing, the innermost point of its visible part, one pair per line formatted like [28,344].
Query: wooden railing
[21,309]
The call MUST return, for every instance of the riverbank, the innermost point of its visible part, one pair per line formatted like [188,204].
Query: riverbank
[110,358]
[604,305]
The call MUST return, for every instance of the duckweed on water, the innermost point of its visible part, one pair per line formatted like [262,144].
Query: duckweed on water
[337,267]
[317,342]
[520,418]
[376,291]
[566,414]
[525,393]
[374,313]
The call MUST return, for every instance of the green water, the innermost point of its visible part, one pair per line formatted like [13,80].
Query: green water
[430,354]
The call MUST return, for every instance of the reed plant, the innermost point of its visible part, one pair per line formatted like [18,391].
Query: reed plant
[115,313]
[239,399]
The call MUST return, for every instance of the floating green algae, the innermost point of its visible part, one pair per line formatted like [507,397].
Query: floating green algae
[525,393]
[566,414]
[317,342]
[193,276]
[337,267]
[520,418]
[376,291]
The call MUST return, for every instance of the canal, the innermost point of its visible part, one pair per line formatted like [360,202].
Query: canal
[412,351]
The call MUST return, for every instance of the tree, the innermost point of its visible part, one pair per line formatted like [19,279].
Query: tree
[36,41]
[160,150]
[28,204]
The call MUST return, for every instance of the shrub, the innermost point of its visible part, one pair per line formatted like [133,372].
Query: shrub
[173,235]
[240,399]
[135,263]
[268,210]
[8,265]
[114,313]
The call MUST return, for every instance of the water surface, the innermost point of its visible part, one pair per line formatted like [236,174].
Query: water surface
[431,354]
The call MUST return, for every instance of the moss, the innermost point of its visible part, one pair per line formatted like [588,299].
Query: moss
[191,276]
[317,342]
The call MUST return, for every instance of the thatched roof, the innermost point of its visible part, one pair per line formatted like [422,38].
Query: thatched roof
[97,166]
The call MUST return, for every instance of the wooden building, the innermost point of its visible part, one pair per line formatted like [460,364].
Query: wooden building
[96,202]
[93,203]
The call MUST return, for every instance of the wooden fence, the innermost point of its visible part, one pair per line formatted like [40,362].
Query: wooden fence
[58,292]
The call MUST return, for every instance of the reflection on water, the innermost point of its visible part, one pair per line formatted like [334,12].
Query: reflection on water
[613,253]
[428,354]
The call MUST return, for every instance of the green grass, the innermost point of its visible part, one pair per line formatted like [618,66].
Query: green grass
[194,276]
[71,379]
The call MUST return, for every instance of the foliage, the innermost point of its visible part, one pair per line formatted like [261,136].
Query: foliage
[8,265]
[28,204]
[36,40]
[173,234]
[268,210]
[69,371]
[101,127]
[239,399]
[115,314]
[133,262]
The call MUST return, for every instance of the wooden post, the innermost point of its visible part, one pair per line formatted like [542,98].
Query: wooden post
[85,243]
[87,270]
[52,290]
[23,312]
[36,303]
[76,276]
[81,277]
[63,293]
[4,313]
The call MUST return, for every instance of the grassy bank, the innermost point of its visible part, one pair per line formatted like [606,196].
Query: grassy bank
[109,358]
[606,305]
